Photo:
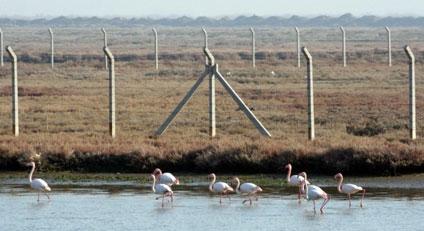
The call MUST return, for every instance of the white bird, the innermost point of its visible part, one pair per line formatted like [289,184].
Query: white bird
[219,187]
[165,178]
[163,189]
[38,184]
[295,180]
[349,189]
[314,193]
[247,188]
[272,73]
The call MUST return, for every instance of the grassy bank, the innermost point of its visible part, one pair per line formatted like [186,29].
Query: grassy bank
[260,156]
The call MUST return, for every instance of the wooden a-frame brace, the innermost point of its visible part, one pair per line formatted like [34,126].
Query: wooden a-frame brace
[212,70]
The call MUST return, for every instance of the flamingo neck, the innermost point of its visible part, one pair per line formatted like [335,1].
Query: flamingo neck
[238,185]
[212,182]
[289,174]
[306,188]
[339,186]
[32,172]
[154,184]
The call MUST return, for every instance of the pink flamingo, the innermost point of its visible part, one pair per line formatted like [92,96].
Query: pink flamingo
[219,187]
[314,193]
[249,189]
[295,180]
[38,184]
[165,178]
[162,189]
[349,189]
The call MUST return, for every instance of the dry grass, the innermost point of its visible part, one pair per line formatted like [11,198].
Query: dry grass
[63,112]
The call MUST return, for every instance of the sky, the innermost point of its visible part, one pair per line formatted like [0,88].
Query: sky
[211,8]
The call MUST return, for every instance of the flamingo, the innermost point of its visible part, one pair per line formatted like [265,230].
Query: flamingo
[219,187]
[163,189]
[349,189]
[247,188]
[313,192]
[165,178]
[295,180]
[38,184]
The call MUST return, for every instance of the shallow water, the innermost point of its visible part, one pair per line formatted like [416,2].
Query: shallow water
[131,206]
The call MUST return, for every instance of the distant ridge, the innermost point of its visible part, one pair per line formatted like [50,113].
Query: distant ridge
[274,21]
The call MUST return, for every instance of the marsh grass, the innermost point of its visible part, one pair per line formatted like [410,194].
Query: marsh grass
[361,111]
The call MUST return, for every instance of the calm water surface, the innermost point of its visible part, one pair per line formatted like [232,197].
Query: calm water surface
[131,206]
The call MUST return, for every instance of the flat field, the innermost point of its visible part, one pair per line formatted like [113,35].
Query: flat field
[361,111]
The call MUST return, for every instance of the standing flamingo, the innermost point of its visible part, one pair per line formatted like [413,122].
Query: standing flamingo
[295,180]
[247,188]
[163,189]
[38,184]
[348,189]
[219,187]
[165,178]
[313,192]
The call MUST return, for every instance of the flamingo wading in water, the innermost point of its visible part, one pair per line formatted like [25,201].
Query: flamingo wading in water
[165,178]
[295,180]
[219,187]
[163,189]
[349,189]
[313,192]
[247,188]
[38,184]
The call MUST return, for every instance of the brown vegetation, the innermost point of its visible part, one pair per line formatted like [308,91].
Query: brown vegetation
[361,110]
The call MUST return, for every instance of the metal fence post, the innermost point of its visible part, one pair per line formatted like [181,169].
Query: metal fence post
[253,47]
[105,45]
[155,33]
[111,60]
[51,47]
[310,86]
[343,45]
[298,45]
[412,115]
[15,102]
[389,45]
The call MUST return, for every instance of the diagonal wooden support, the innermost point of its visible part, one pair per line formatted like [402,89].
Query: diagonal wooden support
[212,71]
[183,102]
[240,103]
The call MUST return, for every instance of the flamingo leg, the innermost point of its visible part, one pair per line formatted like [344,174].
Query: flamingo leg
[47,195]
[362,199]
[38,198]
[220,198]
[315,211]
[248,199]
[299,193]
[229,198]
[326,200]
[350,203]
[163,198]
[172,197]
